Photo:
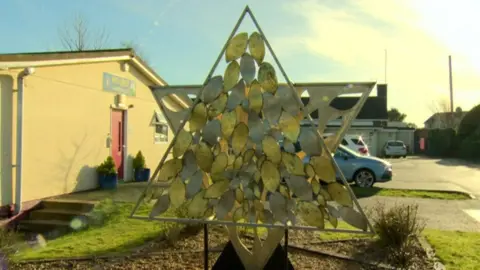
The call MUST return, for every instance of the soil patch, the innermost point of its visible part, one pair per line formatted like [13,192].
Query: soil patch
[186,252]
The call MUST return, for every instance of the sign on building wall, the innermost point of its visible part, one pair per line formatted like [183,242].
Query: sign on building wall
[116,84]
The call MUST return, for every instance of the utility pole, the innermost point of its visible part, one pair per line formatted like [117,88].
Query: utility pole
[451,83]
[385,66]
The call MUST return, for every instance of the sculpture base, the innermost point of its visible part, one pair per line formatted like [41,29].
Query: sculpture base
[229,259]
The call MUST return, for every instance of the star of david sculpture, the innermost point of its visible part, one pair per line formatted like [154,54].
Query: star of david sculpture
[234,159]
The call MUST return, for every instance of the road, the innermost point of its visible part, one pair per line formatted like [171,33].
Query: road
[436,174]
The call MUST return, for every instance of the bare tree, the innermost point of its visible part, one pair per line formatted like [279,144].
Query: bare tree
[136,47]
[441,108]
[79,37]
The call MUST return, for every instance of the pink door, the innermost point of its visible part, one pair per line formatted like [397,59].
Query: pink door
[117,140]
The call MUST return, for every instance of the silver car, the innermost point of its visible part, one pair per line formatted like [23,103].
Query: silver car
[364,171]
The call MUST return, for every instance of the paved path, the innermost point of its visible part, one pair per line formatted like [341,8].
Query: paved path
[436,174]
[457,215]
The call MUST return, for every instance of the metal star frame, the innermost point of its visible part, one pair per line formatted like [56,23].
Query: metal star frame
[247,153]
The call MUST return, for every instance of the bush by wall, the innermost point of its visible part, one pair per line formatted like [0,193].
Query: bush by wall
[469,148]
[470,122]
[441,142]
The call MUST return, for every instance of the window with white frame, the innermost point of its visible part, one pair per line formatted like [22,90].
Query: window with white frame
[160,134]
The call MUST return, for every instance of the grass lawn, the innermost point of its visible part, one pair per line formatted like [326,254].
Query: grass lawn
[457,250]
[118,233]
[376,191]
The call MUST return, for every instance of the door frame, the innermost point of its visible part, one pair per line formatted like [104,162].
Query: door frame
[124,136]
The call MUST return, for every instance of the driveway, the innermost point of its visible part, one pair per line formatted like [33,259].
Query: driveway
[435,174]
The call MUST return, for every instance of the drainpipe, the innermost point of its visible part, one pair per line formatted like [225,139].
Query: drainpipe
[19,167]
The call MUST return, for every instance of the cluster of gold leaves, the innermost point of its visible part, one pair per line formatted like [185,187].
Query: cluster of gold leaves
[238,152]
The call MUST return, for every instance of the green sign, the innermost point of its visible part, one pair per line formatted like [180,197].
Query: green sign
[112,83]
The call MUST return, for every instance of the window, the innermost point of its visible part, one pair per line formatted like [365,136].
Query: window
[344,142]
[160,134]
[358,142]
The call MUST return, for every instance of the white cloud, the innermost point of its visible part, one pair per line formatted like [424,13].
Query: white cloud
[156,23]
[355,38]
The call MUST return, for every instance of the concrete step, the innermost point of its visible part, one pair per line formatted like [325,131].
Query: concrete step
[73,205]
[43,226]
[56,214]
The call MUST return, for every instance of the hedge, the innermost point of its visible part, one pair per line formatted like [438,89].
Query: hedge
[441,142]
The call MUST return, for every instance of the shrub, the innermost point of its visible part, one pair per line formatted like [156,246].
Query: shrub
[469,148]
[441,142]
[397,227]
[470,122]
[139,161]
[8,245]
[107,167]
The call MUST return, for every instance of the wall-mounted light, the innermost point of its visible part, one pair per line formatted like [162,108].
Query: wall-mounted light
[125,67]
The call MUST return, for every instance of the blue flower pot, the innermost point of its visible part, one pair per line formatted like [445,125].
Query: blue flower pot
[107,181]
[142,175]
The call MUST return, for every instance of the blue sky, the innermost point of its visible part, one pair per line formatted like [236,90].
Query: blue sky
[328,40]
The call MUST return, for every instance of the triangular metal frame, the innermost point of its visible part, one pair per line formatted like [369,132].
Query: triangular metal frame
[352,116]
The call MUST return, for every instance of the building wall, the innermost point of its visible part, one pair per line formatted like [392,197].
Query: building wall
[67,122]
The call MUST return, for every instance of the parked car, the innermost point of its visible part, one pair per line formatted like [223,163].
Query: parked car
[364,171]
[354,142]
[395,148]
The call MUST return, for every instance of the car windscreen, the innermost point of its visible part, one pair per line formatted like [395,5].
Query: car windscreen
[348,150]
[358,142]
[395,144]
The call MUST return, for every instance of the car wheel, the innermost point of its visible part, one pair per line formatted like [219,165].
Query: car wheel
[364,178]
[404,156]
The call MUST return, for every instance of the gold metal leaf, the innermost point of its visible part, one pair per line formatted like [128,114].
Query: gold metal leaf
[272,108]
[309,171]
[288,146]
[239,138]
[300,187]
[354,218]
[184,139]
[260,161]
[231,76]
[204,157]
[225,204]
[267,77]
[325,194]
[247,68]
[228,123]
[189,164]
[266,217]
[271,149]
[248,155]
[311,214]
[212,131]
[238,214]
[278,206]
[239,195]
[198,205]
[293,164]
[340,194]
[170,169]
[333,220]
[255,97]
[213,88]
[238,163]
[256,46]
[270,176]
[315,185]
[310,142]
[219,164]
[287,99]
[289,126]
[217,189]
[177,192]
[284,191]
[321,200]
[236,96]
[198,119]
[161,205]
[236,46]
[256,126]
[256,191]
[218,105]
[257,176]
[323,168]
[194,183]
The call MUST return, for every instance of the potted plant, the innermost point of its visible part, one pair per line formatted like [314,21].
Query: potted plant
[107,174]
[140,173]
